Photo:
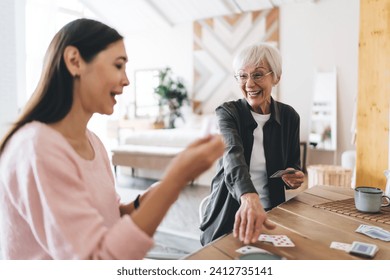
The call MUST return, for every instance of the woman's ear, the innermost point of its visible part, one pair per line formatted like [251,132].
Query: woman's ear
[276,81]
[72,60]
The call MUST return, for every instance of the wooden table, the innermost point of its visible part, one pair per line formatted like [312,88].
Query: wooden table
[311,229]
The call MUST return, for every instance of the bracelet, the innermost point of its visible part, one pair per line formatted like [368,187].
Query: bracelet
[136,202]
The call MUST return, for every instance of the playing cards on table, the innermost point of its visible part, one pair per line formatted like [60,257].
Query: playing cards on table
[363,249]
[251,249]
[253,253]
[341,246]
[277,240]
[374,232]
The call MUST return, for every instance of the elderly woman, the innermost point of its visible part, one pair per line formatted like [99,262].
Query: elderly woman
[261,137]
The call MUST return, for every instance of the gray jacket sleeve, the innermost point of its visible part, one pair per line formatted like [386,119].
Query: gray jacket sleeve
[236,169]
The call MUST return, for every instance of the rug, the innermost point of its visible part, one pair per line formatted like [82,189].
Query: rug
[347,207]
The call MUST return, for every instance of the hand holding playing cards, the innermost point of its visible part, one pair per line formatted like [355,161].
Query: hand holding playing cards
[250,219]
[293,180]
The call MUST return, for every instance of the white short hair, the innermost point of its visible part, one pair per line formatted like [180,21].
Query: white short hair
[254,55]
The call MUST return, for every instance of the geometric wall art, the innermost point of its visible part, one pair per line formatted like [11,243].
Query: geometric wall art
[216,41]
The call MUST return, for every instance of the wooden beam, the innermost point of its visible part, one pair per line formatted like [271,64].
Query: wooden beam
[372,141]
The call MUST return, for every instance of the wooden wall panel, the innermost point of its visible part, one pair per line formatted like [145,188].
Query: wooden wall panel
[372,141]
[216,41]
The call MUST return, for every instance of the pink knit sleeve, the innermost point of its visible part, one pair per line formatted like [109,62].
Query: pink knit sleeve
[68,217]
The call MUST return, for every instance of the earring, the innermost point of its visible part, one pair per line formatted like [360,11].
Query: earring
[76,76]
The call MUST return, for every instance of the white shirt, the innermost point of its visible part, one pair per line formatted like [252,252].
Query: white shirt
[258,169]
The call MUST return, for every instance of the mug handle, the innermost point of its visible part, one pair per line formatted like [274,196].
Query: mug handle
[386,198]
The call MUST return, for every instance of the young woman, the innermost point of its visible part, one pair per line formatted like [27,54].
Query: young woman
[57,193]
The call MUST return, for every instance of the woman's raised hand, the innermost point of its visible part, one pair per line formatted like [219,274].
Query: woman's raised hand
[195,159]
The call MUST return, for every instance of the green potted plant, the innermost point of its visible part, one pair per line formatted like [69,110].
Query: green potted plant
[172,93]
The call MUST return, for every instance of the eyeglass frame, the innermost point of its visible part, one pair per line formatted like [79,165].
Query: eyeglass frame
[237,76]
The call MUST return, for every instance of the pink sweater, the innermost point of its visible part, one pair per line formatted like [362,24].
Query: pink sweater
[56,205]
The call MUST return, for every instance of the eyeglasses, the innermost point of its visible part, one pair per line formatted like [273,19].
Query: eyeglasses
[242,78]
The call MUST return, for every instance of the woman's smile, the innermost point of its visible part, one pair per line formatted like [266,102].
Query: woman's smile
[254,93]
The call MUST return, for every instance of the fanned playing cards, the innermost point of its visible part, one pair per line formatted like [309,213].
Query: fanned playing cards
[280,173]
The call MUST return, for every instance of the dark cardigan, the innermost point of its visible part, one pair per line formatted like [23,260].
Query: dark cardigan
[281,149]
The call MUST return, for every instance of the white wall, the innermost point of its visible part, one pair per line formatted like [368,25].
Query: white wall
[320,35]
[12,73]
[167,46]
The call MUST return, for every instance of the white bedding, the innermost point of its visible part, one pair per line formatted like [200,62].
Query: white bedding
[179,137]
[194,128]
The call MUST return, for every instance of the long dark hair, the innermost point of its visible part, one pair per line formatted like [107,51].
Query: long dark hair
[53,99]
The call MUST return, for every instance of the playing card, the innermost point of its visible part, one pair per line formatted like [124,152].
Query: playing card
[374,232]
[363,249]
[341,246]
[378,234]
[210,126]
[265,237]
[282,241]
[362,228]
[277,240]
[280,173]
[250,249]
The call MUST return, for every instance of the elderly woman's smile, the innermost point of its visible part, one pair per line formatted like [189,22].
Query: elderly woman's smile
[254,93]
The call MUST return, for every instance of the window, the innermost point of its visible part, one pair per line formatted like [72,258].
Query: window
[43,19]
[146,101]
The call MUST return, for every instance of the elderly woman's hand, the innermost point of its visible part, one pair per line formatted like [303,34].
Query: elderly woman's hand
[294,180]
[250,219]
